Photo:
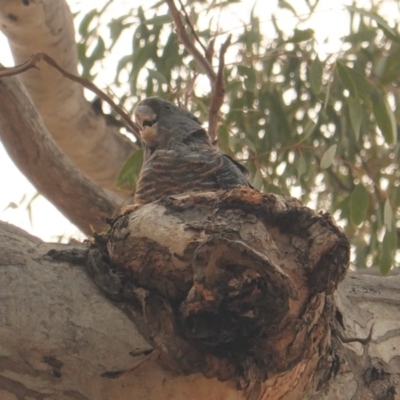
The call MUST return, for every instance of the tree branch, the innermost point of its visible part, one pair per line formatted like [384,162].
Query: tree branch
[189,45]
[41,161]
[216,79]
[218,92]
[37,57]
[60,338]
[189,22]
[98,149]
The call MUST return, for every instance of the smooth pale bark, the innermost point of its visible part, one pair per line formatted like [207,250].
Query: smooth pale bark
[41,161]
[47,26]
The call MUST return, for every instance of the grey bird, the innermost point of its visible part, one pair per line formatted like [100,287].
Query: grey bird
[178,154]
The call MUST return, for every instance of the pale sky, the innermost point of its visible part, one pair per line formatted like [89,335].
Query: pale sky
[329,22]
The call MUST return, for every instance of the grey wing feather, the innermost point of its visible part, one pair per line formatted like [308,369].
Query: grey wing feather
[231,174]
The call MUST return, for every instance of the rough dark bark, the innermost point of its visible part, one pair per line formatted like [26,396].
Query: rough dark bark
[242,291]
[60,338]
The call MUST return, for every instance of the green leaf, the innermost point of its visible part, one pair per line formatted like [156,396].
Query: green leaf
[117,26]
[316,76]
[11,206]
[98,51]
[359,202]
[388,215]
[301,166]
[354,82]
[248,143]
[308,130]
[287,5]
[159,20]
[355,111]
[384,118]
[86,20]
[258,180]
[392,66]
[387,251]
[389,32]
[301,35]
[328,156]
[363,36]
[130,171]
[158,76]
[346,79]
[364,87]
[249,77]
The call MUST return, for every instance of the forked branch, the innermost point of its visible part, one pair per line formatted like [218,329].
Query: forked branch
[204,60]
[35,60]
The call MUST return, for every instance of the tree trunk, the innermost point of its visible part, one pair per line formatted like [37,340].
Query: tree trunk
[278,327]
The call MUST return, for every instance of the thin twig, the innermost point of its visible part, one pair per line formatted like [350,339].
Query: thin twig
[190,89]
[209,53]
[189,22]
[218,92]
[189,45]
[37,57]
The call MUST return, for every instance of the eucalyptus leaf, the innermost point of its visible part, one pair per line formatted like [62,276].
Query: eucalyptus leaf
[301,35]
[390,32]
[388,215]
[387,251]
[287,5]
[384,118]
[356,114]
[316,76]
[308,130]
[130,171]
[346,79]
[359,203]
[159,20]
[301,166]
[258,180]
[86,20]
[328,157]
[158,76]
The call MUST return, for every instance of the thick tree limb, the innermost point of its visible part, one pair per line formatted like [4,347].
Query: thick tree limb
[41,161]
[47,26]
[243,291]
[61,339]
[38,57]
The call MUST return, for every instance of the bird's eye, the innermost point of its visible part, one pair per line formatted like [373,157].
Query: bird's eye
[167,107]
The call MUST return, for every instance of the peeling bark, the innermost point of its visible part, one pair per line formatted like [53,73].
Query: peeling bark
[242,290]
[60,338]
[82,134]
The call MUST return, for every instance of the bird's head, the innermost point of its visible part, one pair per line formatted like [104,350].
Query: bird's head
[161,122]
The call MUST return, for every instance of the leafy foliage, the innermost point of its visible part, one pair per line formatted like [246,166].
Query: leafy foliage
[296,117]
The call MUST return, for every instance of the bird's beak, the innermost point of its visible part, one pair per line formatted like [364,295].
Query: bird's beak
[146,118]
